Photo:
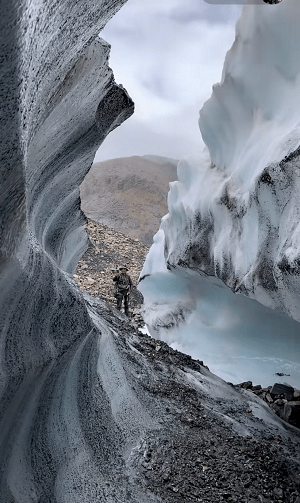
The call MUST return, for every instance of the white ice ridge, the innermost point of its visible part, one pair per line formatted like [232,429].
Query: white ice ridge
[234,212]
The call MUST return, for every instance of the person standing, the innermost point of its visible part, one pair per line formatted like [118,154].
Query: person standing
[123,285]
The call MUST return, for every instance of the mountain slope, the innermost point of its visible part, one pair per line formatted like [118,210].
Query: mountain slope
[129,194]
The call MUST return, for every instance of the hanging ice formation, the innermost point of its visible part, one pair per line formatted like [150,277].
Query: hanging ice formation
[234,213]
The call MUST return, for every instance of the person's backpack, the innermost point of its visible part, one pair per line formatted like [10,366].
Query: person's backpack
[123,283]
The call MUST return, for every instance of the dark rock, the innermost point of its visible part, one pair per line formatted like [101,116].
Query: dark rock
[268,398]
[277,409]
[279,401]
[289,397]
[280,389]
[246,385]
[292,413]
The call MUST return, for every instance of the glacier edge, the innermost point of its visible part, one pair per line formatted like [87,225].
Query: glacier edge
[234,211]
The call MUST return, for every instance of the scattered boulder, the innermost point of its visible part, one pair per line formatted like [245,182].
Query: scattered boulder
[281,389]
[283,399]
[291,413]
[246,385]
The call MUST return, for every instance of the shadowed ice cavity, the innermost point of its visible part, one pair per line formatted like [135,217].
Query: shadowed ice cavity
[237,337]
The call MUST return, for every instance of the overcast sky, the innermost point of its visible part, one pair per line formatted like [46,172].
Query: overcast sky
[167,54]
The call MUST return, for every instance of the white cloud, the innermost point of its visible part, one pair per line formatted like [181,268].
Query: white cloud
[167,58]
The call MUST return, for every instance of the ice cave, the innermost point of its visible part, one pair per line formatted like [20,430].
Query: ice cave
[91,410]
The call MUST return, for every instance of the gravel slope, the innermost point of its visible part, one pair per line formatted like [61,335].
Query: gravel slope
[107,250]
[194,438]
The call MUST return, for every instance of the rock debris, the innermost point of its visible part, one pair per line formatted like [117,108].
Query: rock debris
[107,250]
[197,455]
[284,400]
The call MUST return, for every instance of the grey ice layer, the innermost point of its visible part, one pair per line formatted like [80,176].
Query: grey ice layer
[58,102]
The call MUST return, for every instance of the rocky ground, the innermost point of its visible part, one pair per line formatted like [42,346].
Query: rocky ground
[211,445]
[198,454]
[107,250]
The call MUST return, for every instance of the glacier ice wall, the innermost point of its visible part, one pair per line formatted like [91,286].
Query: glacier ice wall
[54,72]
[58,102]
[234,215]
[234,212]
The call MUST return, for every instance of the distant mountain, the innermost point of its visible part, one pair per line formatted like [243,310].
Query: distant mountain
[129,194]
[158,159]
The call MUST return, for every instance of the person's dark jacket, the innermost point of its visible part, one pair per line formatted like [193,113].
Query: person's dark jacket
[123,283]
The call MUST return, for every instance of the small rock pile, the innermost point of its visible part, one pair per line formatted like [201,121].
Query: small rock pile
[107,250]
[284,400]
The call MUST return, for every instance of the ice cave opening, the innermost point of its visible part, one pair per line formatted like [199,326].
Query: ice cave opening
[90,410]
